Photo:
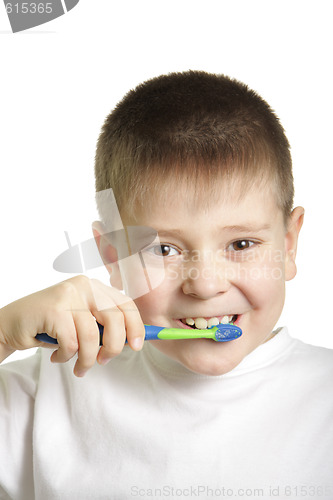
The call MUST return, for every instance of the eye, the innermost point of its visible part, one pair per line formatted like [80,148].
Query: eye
[240,245]
[163,251]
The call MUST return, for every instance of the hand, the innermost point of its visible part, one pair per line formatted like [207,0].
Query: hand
[67,311]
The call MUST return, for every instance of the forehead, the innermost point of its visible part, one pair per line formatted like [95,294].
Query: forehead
[225,203]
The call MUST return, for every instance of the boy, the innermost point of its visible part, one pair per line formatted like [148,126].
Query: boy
[204,161]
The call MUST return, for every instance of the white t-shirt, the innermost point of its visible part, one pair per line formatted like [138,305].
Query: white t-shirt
[146,427]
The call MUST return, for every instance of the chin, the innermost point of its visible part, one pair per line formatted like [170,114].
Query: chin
[211,370]
[210,363]
[203,356]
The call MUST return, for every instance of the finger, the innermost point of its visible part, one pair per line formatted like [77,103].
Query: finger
[88,339]
[114,334]
[135,329]
[65,333]
[46,345]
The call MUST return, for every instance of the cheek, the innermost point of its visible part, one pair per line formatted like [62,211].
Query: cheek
[264,286]
[145,305]
[139,276]
[153,305]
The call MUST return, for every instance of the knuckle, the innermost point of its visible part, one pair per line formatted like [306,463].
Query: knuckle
[70,287]
[95,282]
[80,281]
[112,350]
[72,346]
[64,296]
[70,294]
[114,318]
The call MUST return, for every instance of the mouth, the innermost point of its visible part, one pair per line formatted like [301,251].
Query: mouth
[201,323]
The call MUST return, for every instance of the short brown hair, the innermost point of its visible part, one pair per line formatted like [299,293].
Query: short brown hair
[192,126]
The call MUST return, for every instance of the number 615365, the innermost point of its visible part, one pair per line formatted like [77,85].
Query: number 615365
[29,8]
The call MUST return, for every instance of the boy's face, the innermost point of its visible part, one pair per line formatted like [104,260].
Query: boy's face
[228,258]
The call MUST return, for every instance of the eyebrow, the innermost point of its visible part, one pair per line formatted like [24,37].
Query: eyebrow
[245,228]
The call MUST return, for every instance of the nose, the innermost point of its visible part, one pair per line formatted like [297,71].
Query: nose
[205,278]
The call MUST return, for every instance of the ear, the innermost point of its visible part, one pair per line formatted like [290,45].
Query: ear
[108,254]
[291,239]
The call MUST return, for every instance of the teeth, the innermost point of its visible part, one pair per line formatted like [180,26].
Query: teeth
[202,323]
[226,320]
[189,321]
[212,322]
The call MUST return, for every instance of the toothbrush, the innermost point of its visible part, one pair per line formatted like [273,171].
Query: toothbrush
[220,333]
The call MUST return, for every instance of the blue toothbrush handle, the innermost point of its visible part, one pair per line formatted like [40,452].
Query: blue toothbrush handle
[151,334]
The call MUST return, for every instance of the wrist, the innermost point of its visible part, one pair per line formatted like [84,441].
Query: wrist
[5,352]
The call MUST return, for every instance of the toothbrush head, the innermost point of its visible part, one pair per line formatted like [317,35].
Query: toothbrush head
[223,333]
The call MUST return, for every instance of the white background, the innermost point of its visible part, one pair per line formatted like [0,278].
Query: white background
[60,80]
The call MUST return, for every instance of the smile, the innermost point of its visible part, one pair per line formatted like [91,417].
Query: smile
[203,323]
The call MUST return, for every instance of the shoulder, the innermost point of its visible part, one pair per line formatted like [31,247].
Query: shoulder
[313,355]
[310,367]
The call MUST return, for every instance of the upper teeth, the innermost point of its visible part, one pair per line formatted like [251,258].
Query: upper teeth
[203,323]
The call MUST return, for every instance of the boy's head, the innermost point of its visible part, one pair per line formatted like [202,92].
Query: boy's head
[204,161]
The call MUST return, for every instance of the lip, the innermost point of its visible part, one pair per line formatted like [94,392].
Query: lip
[182,325]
